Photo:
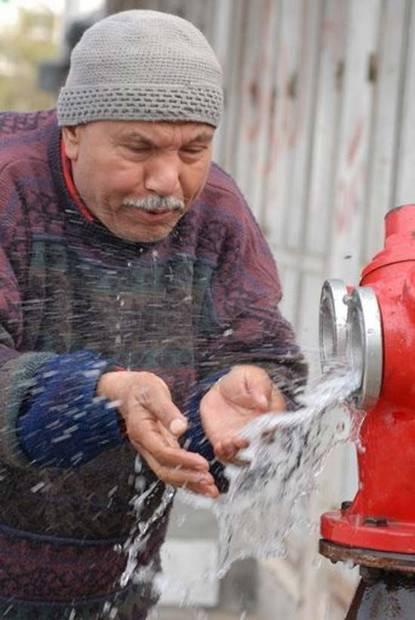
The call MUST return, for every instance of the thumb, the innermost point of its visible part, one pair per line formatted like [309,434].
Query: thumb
[259,386]
[163,408]
[260,399]
[178,426]
[278,402]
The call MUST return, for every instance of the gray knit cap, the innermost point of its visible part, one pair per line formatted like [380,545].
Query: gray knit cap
[142,65]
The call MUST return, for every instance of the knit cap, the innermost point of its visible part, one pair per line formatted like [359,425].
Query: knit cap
[142,65]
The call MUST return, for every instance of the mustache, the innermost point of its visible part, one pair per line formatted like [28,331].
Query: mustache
[155,203]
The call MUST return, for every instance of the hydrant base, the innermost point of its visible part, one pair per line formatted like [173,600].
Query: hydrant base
[371,558]
[345,527]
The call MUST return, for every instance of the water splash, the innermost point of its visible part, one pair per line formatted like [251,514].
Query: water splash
[286,453]
[140,535]
[264,497]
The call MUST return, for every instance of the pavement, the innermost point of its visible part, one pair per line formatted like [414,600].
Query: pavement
[237,589]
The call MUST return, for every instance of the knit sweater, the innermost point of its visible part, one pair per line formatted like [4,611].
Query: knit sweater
[75,300]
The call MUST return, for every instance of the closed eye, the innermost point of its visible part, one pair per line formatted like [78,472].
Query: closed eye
[194,149]
[142,148]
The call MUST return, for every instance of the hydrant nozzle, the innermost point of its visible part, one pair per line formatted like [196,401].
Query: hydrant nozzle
[370,329]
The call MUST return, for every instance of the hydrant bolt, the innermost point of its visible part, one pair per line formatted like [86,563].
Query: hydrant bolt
[376,521]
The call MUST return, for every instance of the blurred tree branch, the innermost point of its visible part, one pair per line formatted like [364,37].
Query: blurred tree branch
[22,47]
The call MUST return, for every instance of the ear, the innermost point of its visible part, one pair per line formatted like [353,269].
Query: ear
[71,137]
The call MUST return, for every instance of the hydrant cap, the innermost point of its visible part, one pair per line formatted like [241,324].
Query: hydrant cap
[351,338]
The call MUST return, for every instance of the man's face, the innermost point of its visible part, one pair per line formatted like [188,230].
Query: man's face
[139,178]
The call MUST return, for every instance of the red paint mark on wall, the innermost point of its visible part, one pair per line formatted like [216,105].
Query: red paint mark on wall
[350,188]
[355,142]
[349,198]
[262,66]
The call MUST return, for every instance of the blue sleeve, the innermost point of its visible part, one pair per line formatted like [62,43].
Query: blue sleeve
[195,439]
[63,423]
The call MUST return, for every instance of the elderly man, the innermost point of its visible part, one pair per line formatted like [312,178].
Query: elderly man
[139,322]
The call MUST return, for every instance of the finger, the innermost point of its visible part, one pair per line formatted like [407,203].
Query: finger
[169,456]
[249,385]
[260,388]
[147,433]
[260,400]
[232,458]
[184,477]
[225,453]
[239,462]
[169,439]
[158,402]
[227,450]
[235,443]
[277,400]
[211,490]
[200,463]
[178,476]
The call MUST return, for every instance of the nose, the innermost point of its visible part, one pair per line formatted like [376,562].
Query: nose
[162,175]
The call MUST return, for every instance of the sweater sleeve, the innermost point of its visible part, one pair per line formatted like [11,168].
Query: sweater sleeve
[62,422]
[49,414]
[241,322]
[17,367]
[48,411]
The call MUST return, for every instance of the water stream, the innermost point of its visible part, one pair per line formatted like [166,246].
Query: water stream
[268,496]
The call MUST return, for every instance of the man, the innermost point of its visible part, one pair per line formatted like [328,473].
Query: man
[139,321]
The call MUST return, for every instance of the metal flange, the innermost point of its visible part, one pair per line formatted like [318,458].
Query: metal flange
[384,560]
[364,348]
[351,338]
[333,323]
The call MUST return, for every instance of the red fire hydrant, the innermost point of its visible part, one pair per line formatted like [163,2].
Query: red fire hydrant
[371,329]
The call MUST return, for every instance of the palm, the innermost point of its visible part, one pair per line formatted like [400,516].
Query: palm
[243,394]
[222,418]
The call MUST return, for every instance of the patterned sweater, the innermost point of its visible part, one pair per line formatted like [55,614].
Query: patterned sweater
[75,301]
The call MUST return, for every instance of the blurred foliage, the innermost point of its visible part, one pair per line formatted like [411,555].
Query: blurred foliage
[22,47]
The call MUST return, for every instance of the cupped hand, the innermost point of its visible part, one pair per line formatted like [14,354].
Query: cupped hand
[153,425]
[243,394]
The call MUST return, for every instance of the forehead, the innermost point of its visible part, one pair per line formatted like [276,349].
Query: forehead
[158,133]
